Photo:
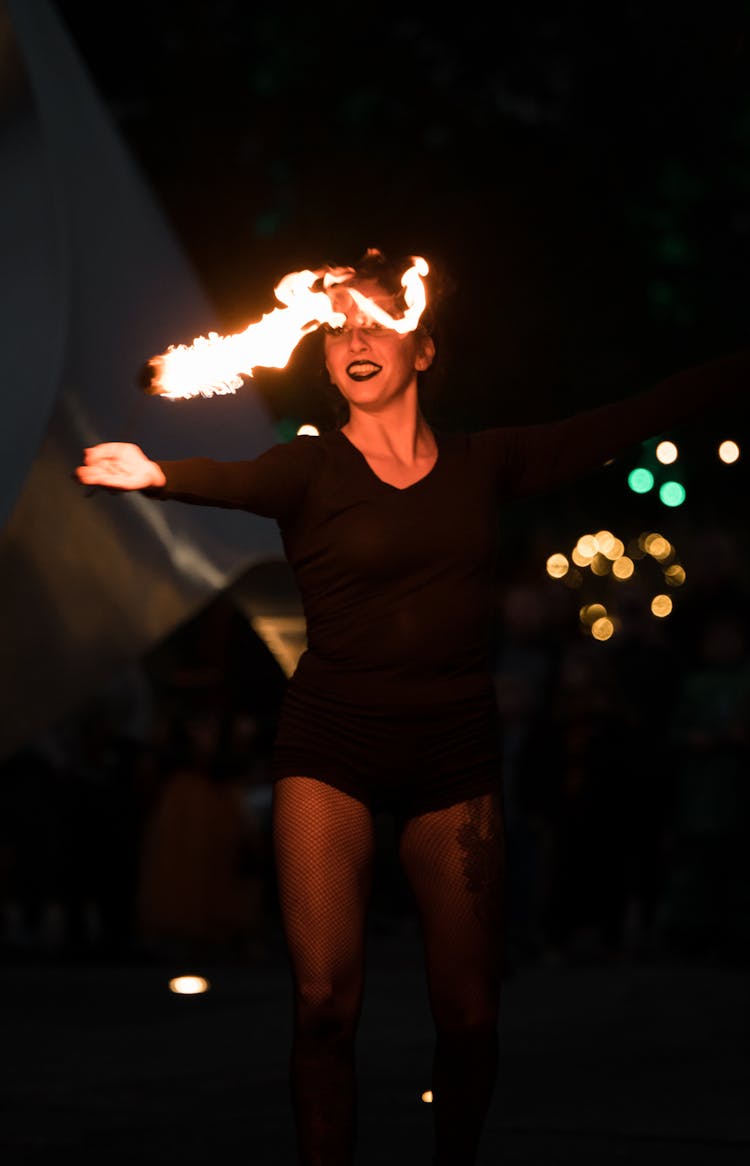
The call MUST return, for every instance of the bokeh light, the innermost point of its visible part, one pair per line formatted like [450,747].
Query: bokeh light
[590,612]
[602,629]
[586,547]
[641,480]
[188,985]
[674,575]
[672,493]
[557,566]
[623,567]
[729,451]
[600,564]
[666,452]
[656,545]
[661,605]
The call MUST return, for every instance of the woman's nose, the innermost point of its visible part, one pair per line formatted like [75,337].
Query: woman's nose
[358,339]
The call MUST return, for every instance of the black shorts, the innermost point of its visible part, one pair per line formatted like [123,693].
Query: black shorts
[404,762]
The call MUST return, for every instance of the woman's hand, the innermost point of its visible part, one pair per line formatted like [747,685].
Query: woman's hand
[119,466]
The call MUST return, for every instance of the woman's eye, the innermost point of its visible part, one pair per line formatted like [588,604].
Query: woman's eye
[345,329]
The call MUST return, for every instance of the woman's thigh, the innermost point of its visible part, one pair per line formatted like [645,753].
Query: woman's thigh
[324,848]
[454,861]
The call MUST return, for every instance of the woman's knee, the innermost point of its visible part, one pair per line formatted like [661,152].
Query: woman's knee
[472,1011]
[325,1010]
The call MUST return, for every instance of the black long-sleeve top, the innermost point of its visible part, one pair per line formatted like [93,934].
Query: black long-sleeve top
[397,584]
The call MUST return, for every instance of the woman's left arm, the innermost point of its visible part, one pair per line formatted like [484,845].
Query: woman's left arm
[533,459]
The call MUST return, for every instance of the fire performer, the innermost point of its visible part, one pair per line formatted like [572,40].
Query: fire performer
[390,528]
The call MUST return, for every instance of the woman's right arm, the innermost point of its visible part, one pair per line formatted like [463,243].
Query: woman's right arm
[272,485]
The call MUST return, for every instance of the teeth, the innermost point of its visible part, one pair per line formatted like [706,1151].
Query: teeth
[362,372]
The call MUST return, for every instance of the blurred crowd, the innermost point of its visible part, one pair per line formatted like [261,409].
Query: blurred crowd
[141,825]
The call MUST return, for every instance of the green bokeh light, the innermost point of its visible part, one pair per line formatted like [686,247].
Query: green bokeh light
[640,480]
[672,493]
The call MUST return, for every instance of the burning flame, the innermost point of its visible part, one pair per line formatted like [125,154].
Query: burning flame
[215,364]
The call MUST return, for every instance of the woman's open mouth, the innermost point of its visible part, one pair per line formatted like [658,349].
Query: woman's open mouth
[362,370]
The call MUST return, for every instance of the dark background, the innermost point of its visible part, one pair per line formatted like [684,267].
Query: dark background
[578,176]
[578,179]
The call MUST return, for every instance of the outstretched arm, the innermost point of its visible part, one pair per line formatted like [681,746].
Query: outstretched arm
[532,459]
[272,485]
[119,465]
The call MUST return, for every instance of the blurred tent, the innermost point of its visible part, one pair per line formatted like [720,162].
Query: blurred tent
[94,283]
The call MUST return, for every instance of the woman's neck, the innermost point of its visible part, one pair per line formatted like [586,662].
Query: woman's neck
[400,435]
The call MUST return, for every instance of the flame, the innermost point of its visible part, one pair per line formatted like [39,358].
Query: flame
[215,364]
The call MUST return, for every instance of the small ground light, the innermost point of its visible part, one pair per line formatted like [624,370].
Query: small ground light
[729,451]
[427,1096]
[188,985]
[666,452]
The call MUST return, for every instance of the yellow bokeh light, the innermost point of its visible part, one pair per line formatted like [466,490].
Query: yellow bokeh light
[623,567]
[729,451]
[615,549]
[579,559]
[661,605]
[666,452]
[657,546]
[604,541]
[600,564]
[427,1096]
[675,575]
[188,985]
[557,566]
[308,431]
[587,548]
[602,629]
[590,612]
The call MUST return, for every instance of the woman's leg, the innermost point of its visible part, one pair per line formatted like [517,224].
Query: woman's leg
[454,860]
[323,847]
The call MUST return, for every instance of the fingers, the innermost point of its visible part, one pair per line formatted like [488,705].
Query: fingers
[88,475]
[106,449]
[104,465]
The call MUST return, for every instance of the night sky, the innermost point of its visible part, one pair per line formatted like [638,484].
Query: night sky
[577,175]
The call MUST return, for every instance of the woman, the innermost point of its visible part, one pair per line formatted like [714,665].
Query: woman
[390,528]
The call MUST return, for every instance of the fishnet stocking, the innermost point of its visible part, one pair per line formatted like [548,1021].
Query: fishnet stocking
[454,861]
[324,847]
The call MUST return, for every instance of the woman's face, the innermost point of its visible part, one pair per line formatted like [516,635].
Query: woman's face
[370,364]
